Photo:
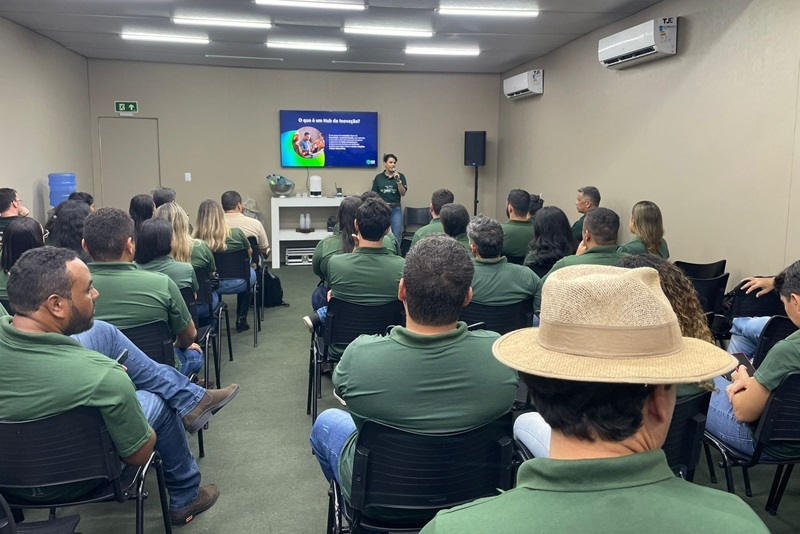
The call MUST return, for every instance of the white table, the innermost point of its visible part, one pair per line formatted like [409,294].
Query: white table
[287,234]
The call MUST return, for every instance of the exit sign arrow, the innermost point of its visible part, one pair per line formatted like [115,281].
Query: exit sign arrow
[126,107]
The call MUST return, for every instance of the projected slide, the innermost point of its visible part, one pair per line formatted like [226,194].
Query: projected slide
[329,139]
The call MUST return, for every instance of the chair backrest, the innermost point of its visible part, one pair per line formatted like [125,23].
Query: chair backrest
[154,339]
[500,319]
[516,260]
[403,470]
[60,449]
[710,292]
[780,421]
[685,435]
[256,256]
[748,305]
[204,286]
[416,217]
[702,270]
[7,525]
[777,329]
[191,302]
[233,265]
[346,321]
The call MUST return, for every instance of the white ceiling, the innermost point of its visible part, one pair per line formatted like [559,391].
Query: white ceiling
[92,28]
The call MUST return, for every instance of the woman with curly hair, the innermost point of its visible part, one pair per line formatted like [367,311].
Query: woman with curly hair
[552,242]
[647,228]
[65,227]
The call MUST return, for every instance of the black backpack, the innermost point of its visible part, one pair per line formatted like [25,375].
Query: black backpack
[272,292]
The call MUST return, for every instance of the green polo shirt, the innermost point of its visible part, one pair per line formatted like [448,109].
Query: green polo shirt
[368,276]
[433,227]
[46,374]
[463,240]
[633,493]
[131,297]
[781,360]
[517,235]
[577,229]
[4,222]
[499,283]
[179,272]
[439,384]
[202,257]
[387,187]
[599,255]
[635,246]
[331,245]
[236,241]
[3,285]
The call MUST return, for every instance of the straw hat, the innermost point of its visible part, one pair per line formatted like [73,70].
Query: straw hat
[609,324]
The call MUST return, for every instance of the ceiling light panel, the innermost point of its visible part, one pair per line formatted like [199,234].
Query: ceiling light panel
[488,12]
[388,32]
[163,38]
[228,23]
[319,47]
[311,5]
[434,51]
[217,56]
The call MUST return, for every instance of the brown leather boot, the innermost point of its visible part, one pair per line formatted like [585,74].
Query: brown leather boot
[205,499]
[211,403]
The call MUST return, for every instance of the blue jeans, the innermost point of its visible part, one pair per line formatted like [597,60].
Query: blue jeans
[166,397]
[397,222]
[238,287]
[328,436]
[532,430]
[745,333]
[191,360]
[723,425]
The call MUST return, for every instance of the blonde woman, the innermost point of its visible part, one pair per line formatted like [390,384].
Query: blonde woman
[647,228]
[219,237]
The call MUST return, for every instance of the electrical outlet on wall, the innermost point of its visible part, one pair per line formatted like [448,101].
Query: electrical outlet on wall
[187,176]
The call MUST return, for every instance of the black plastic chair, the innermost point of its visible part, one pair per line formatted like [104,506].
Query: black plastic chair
[204,295]
[236,266]
[260,262]
[6,305]
[702,270]
[420,474]
[70,447]
[154,339]
[413,220]
[748,305]
[500,319]
[777,329]
[779,423]
[344,323]
[685,436]
[59,525]
[710,292]
[206,335]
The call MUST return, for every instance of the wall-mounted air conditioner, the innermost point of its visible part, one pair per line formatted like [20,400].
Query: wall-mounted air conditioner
[524,84]
[654,39]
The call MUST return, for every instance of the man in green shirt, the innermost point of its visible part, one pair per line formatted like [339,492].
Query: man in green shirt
[604,380]
[439,198]
[588,199]
[51,290]
[518,229]
[736,405]
[432,375]
[455,219]
[599,243]
[497,282]
[10,208]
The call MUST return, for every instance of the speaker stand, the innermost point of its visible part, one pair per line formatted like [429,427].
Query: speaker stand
[475,206]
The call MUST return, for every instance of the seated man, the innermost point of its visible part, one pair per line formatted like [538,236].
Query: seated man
[163,195]
[439,198]
[10,208]
[588,199]
[744,399]
[131,296]
[455,219]
[599,245]
[497,282]
[604,379]
[518,229]
[431,376]
[232,204]
[52,291]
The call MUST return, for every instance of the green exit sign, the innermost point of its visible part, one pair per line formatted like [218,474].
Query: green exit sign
[126,107]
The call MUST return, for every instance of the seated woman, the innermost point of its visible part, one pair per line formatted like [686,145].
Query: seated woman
[187,249]
[212,228]
[21,235]
[141,209]
[65,227]
[153,245]
[534,432]
[647,228]
[552,241]
[455,219]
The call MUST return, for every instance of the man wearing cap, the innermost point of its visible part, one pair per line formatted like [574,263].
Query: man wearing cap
[431,376]
[599,244]
[602,370]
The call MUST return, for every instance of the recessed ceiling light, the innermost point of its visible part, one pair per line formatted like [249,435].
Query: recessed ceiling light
[431,51]
[481,12]
[369,63]
[198,21]
[320,47]
[389,32]
[215,56]
[311,5]
[164,38]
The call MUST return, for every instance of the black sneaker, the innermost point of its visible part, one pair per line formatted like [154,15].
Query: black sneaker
[312,322]
[241,325]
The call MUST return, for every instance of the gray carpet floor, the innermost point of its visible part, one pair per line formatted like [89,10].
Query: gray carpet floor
[257,447]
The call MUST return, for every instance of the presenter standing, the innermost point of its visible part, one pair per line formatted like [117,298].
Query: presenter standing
[391,186]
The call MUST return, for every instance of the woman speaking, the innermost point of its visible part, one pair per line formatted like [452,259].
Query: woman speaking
[391,185]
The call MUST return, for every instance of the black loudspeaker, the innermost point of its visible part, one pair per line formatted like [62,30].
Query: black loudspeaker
[475,148]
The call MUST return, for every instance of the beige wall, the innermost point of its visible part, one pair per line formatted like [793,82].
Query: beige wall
[44,124]
[709,135]
[221,124]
